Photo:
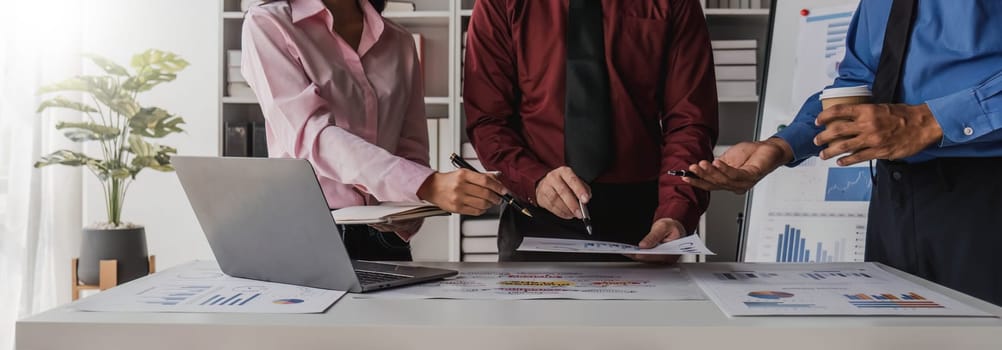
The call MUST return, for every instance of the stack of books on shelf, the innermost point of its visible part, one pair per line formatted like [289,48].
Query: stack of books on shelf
[738,4]
[479,233]
[735,66]
[236,85]
[400,6]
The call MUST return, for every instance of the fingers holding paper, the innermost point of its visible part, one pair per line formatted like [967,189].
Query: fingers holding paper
[662,231]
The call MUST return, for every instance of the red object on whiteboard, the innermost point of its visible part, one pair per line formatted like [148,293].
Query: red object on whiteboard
[805,12]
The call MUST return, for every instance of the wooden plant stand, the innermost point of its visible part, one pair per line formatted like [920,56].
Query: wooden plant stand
[108,275]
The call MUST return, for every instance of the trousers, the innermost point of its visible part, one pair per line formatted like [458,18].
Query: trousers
[940,220]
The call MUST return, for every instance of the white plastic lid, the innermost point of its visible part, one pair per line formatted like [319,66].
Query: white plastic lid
[851,91]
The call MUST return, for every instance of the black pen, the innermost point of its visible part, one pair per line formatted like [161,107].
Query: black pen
[683,173]
[459,162]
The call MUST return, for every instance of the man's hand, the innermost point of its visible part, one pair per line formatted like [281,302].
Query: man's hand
[742,166]
[560,191]
[406,226]
[663,230]
[868,131]
[462,191]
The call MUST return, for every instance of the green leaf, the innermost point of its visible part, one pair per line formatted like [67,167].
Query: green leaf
[164,61]
[149,155]
[104,88]
[147,79]
[70,158]
[108,65]
[155,122]
[62,102]
[87,131]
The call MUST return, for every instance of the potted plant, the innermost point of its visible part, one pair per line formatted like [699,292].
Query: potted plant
[116,121]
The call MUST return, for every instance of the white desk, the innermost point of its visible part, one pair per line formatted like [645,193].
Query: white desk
[536,324]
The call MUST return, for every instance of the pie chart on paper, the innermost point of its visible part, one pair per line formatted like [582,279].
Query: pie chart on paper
[770,294]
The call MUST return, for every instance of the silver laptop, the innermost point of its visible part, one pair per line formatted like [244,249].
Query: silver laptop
[267,219]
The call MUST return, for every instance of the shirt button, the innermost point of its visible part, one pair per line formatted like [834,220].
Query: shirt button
[968,131]
[896,175]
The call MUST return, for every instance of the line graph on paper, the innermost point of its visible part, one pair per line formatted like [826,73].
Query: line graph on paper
[848,185]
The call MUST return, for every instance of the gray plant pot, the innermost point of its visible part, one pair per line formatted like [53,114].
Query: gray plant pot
[128,246]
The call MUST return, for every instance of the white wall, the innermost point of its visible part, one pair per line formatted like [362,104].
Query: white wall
[190,28]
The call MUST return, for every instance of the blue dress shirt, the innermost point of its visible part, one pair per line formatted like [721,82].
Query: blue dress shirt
[953,64]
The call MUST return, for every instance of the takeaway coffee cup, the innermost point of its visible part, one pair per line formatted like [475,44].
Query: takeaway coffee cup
[846,95]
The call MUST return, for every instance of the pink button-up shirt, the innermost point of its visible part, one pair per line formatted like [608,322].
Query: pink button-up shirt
[358,117]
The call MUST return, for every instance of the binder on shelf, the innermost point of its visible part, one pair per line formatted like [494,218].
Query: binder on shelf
[400,6]
[468,152]
[235,140]
[487,245]
[433,140]
[736,88]
[480,227]
[259,143]
[744,72]
[735,57]
[733,44]
[419,45]
[239,90]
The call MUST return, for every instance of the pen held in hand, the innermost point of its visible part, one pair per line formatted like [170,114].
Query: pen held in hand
[460,163]
[586,217]
[683,173]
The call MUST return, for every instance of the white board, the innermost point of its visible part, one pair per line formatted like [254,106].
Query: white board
[817,211]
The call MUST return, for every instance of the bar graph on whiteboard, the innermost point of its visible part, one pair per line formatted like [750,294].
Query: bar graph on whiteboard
[805,237]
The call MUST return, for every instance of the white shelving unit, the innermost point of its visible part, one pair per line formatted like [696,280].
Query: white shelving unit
[442,23]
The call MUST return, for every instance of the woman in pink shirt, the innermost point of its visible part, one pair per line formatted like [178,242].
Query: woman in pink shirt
[341,86]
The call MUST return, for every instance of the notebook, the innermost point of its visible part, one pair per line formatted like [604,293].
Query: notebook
[385,213]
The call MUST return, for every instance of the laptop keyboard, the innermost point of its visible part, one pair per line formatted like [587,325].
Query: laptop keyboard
[371,277]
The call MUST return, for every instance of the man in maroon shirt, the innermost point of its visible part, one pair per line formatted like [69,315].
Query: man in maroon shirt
[662,110]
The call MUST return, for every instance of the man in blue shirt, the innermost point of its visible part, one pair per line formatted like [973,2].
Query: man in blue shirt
[936,209]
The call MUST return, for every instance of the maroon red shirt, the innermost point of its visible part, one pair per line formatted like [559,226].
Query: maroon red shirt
[514,94]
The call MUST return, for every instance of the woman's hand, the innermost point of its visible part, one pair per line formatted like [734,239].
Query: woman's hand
[462,191]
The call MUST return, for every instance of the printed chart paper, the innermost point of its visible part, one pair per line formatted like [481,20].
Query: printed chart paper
[637,282]
[688,245]
[848,289]
[201,287]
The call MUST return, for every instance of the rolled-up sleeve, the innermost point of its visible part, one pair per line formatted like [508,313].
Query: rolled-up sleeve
[302,124]
[968,115]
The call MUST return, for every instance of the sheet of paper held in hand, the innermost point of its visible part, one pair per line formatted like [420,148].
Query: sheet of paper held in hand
[839,289]
[687,245]
[201,287]
[584,281]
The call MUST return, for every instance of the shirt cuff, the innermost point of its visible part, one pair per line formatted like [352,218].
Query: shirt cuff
[681,211]
[800,137]
[961,117]
[523,183]
[410,176]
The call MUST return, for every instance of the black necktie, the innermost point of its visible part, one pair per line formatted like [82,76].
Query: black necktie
[892,57]
[588,114]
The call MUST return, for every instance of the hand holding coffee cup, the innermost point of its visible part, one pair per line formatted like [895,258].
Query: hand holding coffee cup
[864,131]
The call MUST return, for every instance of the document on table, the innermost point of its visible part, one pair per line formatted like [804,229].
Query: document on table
[688,245]
[201,287]
[841,289]
[634,282]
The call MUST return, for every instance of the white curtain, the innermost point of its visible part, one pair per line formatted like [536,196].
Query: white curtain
[39,209]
